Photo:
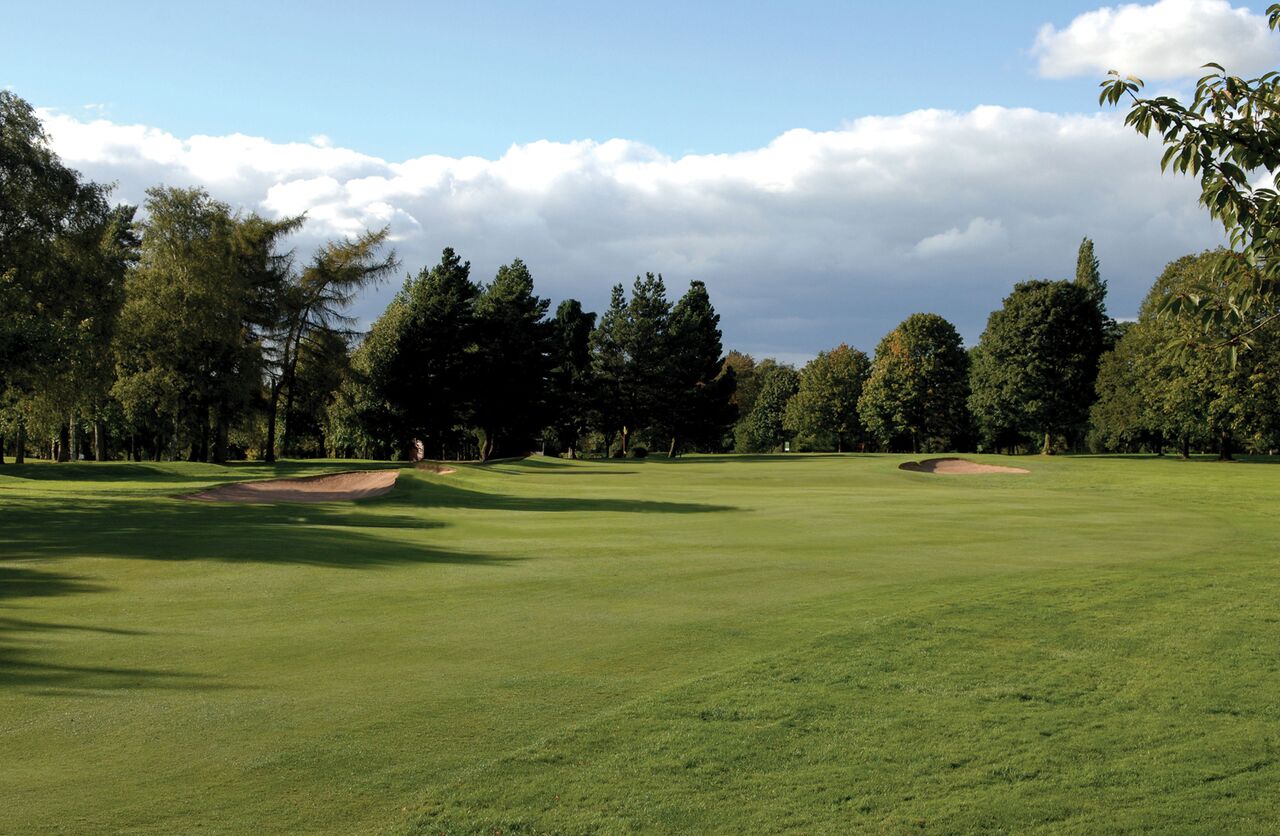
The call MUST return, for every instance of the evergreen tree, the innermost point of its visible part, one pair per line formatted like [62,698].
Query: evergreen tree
[917,393]
[630,351]
[698,400]
[513,361]
[609,367]
[646,387]
[422,363]
[310,312]
[571,383]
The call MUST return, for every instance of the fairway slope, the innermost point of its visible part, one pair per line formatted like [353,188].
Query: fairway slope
[957,467]
[333,487]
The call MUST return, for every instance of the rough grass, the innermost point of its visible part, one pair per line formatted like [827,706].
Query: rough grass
[813,643]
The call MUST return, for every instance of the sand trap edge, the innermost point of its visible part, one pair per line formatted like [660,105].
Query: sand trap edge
[346,486]
[435,467]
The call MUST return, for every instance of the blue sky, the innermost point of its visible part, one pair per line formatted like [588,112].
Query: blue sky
[826,168]
[401,79]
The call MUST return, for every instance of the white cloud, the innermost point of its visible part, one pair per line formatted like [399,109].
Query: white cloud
[814,239]
[980,234]
[1169,39]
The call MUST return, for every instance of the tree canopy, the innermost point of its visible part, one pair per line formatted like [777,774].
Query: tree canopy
[915,397]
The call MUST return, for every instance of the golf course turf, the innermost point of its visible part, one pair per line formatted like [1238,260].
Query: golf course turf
[738,644]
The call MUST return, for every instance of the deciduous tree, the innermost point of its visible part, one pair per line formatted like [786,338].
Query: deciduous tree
[917,392]
[825,406]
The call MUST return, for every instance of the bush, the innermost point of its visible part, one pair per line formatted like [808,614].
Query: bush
[639,452]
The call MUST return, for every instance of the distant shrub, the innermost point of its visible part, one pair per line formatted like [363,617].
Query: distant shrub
[639,452]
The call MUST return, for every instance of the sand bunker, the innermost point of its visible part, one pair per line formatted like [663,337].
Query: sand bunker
[435,467]
[953,466]
[335,487]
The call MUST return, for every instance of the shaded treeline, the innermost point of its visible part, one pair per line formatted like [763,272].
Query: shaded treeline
[195,332]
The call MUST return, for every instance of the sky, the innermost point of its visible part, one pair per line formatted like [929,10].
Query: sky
[826,168]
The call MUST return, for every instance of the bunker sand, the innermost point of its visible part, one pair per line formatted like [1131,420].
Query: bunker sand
[956,467]
[334,487]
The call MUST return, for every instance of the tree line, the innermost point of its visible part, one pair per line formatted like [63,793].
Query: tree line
[192,331]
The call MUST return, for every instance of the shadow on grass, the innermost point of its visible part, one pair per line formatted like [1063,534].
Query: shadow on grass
[441,494]
[376,534]
[339,536]
[1196,458]
[749,458]
[20,671]
[163,472]
[21,640]
[336,537]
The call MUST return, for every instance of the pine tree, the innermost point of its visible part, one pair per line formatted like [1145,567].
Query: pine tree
[512,361]
[571,382]
[609,368]
[423,365]
[698,403]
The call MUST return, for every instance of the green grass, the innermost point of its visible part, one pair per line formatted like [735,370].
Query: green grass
[816,643]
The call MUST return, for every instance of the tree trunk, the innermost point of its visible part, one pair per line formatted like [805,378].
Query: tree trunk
[99,441]
[273,406]
[20,443]
[1,449]
[839,444]
[199,451]
[1186,447]
[1224,447]
[671,453]
[73,439]
[284,423]
[573,452]
[220,438]
[626,434]
[1047,450]
[63,444]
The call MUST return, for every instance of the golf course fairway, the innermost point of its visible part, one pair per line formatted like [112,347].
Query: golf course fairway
[729,644]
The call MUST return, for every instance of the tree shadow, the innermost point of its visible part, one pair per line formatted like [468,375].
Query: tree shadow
[1200,458]
[441,494]
[337,537]
[173,472]
[21,643]
[330,536]
[347,536]
[753,458]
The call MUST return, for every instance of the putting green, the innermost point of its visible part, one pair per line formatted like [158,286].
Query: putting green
[817,643]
